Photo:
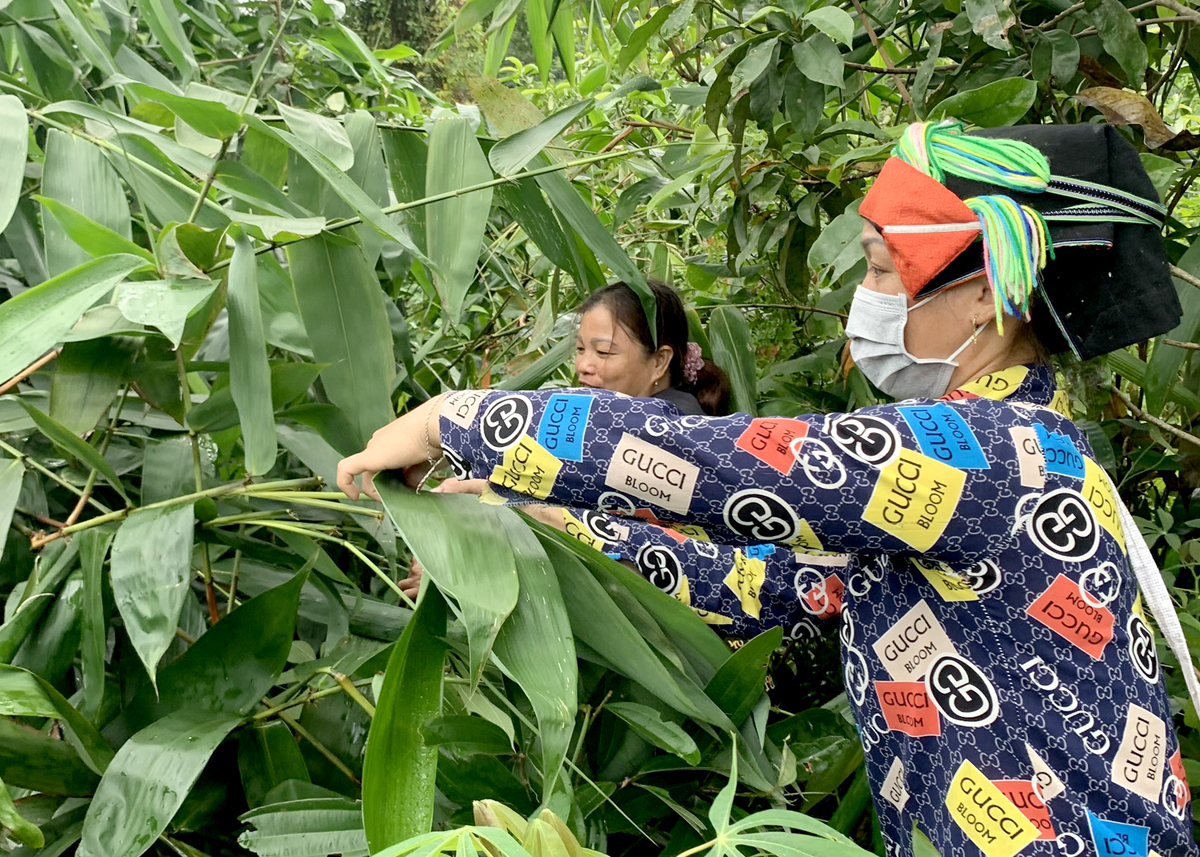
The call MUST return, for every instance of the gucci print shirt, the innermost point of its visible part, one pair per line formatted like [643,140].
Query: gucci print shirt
[996,655]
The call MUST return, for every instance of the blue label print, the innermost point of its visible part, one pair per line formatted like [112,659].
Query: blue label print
[1116,839]
[1061,455]
[944,435]
[563,425]
[759,551]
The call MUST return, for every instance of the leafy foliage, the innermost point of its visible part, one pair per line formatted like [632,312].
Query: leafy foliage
[235,238]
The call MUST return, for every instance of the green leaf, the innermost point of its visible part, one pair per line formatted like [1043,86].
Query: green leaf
[314,827]
[43,764]
[1162,369]
[718,813]
[537,22]
[833,22]
[86,40]
[72,446]
[267,227]
[921,846]
[399,767]
[151,570]
[25,831]
[641,37]
[757,58]
[341,304]
[819,59]
[454,228]
[1119,34]
[511,154]
[59,563]
[733,351]
[93,548]
[991,19]
[25,694]
[148,780]
[523,200]
[40,316]
[163,18]
[218,411]
[164,304]
[464,735]
[14,146]
[407,156]
[87,377]
[12,473]
[563,30]
[664,734]
[210,118]
[740,681]
[267,757]
[1002,102]
[475,568]
[536,649]
[1065,54]
[249,372]
[235,663]
[96,239]
[322,133]
[77,173]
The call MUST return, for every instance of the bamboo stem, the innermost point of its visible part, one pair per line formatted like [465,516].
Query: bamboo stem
[1138,413]
[29,370]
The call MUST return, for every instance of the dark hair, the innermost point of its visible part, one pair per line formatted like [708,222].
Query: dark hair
[711,387]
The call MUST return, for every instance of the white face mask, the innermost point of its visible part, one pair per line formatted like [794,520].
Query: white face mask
[876,330]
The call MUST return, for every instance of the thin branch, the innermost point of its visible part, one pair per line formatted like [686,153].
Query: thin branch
[862,66]
[1138,413]
[1181,274]
[1065,13]
[29,370]
[887,60]
[796,307]
[1145,22]
[47,472]
[1190,345]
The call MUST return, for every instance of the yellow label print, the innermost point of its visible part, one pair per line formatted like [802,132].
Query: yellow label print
[527,468]
[989,819]
[746,579]
[684,594]
[1140,609]
[1097,490]
[488,497]
[807,540]
[1060,403]
[915,499]
[712,618]
[692,532]
[577,530]
[950,585]
[998,385]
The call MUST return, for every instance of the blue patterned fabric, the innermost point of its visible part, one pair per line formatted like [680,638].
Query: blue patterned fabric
[996,656]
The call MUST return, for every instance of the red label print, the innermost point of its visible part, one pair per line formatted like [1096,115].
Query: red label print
[770,441]
[1024,798]
[1066,611]
[907,708]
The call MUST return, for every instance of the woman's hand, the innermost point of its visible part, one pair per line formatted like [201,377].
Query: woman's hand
[412,439]
[411,585]
[462,486]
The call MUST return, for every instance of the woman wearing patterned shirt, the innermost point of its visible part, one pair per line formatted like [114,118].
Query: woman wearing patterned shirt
[996,652]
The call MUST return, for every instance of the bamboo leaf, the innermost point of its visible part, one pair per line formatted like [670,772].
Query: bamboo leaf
[148,780]
[151,568]
[25,694]
[210,118]
[12,473]
[40,763]
[314,827]
[537,22]
[1162,369]
[322,133]
[267,757]
[475,569]
[733,351]
[648,723]
[163,19]
[96,239]
[71,445]
[40,316]
[77,173]
[87,377]
[14,146]
[399,768]
[341,302]
[249,372]
[58,562]
[739,683]
[511,154]
[93,548]
[454,227]
[25,831]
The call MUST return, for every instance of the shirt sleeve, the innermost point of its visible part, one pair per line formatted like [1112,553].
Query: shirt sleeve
[739,591]
[922,478]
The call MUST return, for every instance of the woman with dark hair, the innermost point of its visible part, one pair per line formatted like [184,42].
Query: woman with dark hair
[996,650]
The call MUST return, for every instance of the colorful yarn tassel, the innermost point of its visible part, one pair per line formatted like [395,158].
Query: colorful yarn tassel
[937,148]
[1015,248]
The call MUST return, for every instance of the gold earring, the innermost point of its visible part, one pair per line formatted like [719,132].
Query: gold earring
[974,329]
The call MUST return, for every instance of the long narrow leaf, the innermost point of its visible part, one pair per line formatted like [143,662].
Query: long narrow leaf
[163,18]
[249,373]
[148,781]
[65,440]
[58,562]
[14,146]
[454,227]
[733,351]
[38,317]
[41,763]
[25,694]
[151,570]
[399,768]
[93,548]
[24,830]
[512,153]
[12,473]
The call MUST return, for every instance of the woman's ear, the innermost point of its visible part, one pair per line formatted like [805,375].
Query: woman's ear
[662,362]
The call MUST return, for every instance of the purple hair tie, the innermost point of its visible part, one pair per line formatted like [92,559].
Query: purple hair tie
[693,362]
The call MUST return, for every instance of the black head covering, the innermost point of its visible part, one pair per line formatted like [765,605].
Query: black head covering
[1109,284]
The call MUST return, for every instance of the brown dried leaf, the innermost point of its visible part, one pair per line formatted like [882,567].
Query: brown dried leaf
[1097,73]
[1121,107]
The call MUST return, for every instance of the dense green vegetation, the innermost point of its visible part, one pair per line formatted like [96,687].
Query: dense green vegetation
[237,237]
